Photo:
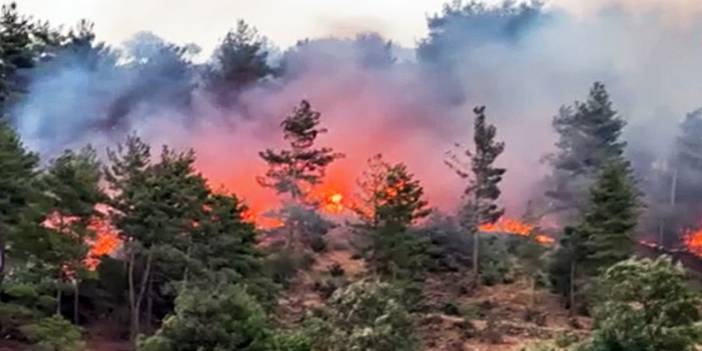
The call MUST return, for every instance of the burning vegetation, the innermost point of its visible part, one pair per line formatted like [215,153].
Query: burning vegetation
[329,178]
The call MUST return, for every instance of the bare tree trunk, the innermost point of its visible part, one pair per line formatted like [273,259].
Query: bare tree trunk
[2,258]
[187,265]
[134,322]
[532,293]
[58,295]
[476,238]
[674,188]
[572,288]
[140,298]
[149,305]
[476,256]
[76,300]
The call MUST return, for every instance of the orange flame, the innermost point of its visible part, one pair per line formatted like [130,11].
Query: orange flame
[692,239]
[106,242]
[515,227]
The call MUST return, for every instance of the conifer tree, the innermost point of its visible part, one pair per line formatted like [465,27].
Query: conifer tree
[390,200]
[679,185]
[240,60]
[156,207]
[589,136]
[72,183]
[15,49]
[401,200]
[23,41]
[17,187]
[371,185]
[611,217]
[295,171]
[484,178]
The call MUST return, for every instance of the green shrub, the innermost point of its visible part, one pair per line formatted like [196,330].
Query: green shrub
[284,265]
[12,317]
[496,263]
[223,318]
[366,315]
[54,334]
[450,309]
[544,346]
[646,306]
[566,339]
[290,342]
[336,270]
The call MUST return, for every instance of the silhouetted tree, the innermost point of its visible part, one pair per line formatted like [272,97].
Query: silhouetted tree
[484,179]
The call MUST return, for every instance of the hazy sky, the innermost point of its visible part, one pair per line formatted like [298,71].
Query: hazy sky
[284,21]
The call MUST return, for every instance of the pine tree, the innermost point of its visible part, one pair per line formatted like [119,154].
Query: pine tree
[611,217]
[483,188]
[680,185]
[72,183]
[295,171]
[15,49]
[589,136]
[401,200]
[240,60]
[23,42]
[156,207]
[565,265]
[371,185]
[18,170]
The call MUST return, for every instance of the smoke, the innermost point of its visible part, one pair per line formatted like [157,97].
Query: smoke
[411,104]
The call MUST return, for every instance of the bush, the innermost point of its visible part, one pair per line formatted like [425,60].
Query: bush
[366,315]
[496,263]
[646,306]
[290,342]
[336,270]
[54,334]
[224,318]
[12,317]
[284,265]
[545,346]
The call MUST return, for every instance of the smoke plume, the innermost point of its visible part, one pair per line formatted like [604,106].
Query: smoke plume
[411,104]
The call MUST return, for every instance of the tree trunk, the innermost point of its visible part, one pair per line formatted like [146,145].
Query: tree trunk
[76,300]
[476,237]
[149,306]
[2,258]
[476,256]
[572,288]
[140,298]
[532,293]
[187,265]
[58,297]
[132,299]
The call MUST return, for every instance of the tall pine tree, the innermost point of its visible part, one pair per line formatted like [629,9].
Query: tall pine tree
[18,170]
[611,217]
[589,135]
[156,206]
[73,187]
[23,42]
[484,179]
[295,171]
[240,60]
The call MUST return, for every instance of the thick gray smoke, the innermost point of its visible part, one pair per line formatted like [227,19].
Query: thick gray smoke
[410,104]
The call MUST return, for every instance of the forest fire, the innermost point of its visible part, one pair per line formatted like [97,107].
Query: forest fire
[106,242]
[515,227]
[692,239]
